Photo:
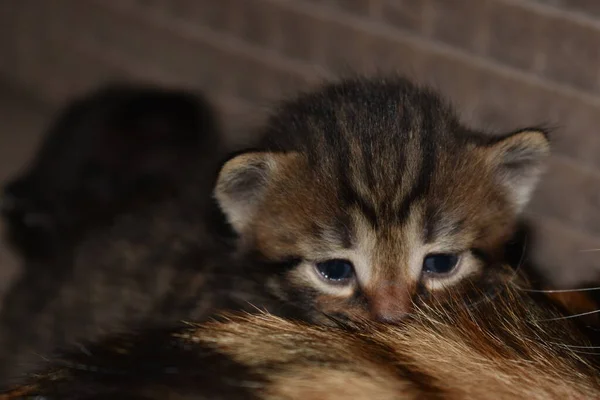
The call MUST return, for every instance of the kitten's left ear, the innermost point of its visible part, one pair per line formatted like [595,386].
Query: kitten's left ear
[243,182]
[519,160]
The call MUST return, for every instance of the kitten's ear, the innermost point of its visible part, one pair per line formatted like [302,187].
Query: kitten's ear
[519,160]
[243,182]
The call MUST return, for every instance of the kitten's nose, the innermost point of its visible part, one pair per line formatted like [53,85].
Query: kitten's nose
[390,304]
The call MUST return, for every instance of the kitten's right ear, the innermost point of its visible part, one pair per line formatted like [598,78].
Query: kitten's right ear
[518,160]
[243,182]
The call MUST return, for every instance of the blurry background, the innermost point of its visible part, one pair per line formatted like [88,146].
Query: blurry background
[505,64]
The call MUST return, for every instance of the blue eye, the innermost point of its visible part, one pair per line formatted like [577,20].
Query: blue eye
[440,263]
[336,270]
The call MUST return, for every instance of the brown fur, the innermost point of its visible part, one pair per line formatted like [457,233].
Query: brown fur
[512,345]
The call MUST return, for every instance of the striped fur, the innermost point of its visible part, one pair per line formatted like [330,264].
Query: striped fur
[381,173]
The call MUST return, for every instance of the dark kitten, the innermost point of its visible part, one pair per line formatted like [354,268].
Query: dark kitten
[120,150]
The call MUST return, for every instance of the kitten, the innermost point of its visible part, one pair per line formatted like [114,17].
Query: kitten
[120,150]
[368,195]
[362,199]
[514,344]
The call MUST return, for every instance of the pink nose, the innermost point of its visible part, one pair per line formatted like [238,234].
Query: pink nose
[390,304]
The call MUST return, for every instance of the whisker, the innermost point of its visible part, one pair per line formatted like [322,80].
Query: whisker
[569,316]
[590,289]
[489,297]
[521,261]
[485,298]
[569,346]
[586,352]
[588,250]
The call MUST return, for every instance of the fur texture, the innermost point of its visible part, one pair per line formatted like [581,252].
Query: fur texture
[512,344]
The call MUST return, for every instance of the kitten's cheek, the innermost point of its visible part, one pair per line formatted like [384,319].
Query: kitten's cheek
[468,265]
[277,288]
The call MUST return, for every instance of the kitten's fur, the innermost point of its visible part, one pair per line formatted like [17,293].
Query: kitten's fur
[512,344]
[375,171]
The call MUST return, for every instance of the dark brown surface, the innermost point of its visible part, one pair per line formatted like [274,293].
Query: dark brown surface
[505,63]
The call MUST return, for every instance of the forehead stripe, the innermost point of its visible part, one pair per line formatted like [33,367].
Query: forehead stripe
[350,196]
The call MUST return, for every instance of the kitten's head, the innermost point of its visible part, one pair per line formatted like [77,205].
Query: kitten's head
[115,146]
[369,194]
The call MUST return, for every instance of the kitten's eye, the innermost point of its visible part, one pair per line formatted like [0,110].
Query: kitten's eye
[440,263]
[336,270]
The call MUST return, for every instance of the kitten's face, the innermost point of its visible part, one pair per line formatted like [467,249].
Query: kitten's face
[372,206]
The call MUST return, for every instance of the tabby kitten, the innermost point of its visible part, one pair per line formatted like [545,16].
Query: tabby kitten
[513,344]
[368,195]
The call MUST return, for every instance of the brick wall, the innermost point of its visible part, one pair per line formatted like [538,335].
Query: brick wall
[505,63]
